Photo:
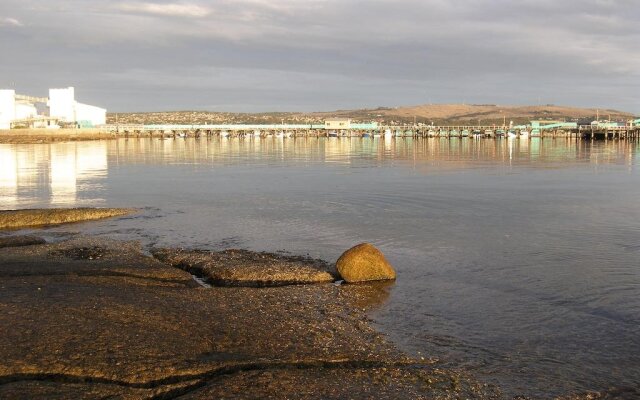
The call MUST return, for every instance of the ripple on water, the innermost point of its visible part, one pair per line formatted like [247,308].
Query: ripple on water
[516,259]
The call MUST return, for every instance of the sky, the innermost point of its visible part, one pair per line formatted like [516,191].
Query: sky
[322,55]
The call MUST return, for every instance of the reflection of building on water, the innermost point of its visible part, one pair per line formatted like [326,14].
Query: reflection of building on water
[19,173]
[338,150]
[63,173]
[421,152]
[56,173]
[91,159]
[8,176]
[71,162]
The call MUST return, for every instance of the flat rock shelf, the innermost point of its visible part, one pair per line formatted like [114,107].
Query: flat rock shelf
[18,219]
[90,318]
[236,267]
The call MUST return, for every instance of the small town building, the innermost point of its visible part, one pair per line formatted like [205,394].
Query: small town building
[337,123]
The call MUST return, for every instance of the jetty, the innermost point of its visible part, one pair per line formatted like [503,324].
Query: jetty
[593,131]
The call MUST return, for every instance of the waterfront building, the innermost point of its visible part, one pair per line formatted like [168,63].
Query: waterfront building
[337,123]
[7,108]
[59,109]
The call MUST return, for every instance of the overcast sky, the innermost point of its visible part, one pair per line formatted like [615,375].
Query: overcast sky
[272,55]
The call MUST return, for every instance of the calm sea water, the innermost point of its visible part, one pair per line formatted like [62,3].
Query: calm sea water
[518,260]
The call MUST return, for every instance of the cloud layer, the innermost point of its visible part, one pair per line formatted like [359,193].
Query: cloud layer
[169,10]
[8,21]
[248,55]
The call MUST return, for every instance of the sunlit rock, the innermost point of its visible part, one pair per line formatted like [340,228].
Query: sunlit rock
[364,262]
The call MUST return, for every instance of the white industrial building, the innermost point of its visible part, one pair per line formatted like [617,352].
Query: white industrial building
[60,109]
[7,108]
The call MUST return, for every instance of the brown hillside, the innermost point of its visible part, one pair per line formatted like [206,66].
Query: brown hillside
[471,114]
[474,114]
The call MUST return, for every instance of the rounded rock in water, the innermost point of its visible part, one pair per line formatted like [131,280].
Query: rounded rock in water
[364,262]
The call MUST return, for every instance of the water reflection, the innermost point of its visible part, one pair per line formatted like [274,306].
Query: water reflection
[75,173]
[515,257]
[59,174]
[8,176]
[63,174]
[447,153]
[368,296]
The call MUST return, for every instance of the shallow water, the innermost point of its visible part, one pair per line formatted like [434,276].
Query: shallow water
[518,260]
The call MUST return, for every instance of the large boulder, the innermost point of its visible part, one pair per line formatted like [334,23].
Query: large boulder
[364,263]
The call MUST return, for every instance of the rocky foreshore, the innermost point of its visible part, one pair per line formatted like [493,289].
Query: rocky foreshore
[18,219]
[96,318]
[34,136]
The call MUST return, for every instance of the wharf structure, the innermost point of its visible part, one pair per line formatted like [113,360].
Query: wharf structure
[58,110]
[347,128]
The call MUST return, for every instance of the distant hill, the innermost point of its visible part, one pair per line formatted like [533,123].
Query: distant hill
[439,114]
[481,114]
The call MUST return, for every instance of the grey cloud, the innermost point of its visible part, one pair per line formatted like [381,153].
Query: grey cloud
[8,21]
[167,9]
[326,54]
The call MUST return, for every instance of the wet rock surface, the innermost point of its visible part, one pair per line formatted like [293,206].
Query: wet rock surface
[614,393]
[50,390]
[247,268]
[17,241]
[16,219]
[125,325]
[82,253]
[364,263]
[87,257]
[342,383]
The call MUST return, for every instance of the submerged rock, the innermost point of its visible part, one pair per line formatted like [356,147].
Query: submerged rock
[16,219]
[247,268]
[18,241]
[364,262]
